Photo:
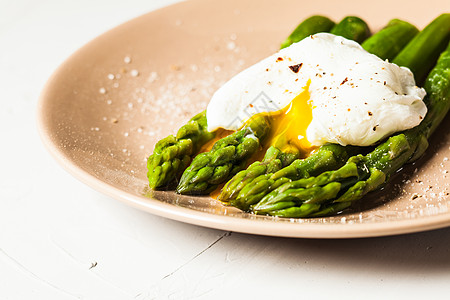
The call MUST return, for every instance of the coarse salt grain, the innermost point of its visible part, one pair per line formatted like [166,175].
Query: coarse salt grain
[111,76]
[153,77]
[102,91]
[127,59]
[231,46]
[134,72]
[194,68]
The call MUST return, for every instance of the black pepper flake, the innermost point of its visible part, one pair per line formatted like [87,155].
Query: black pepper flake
[370,113]
[365,103]
[296,68]
[279,59]
[384,83]
[396,93]
[324,87]
[344,81]
[375,127]
[267,70]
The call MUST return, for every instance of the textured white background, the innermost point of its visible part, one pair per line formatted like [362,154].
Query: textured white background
[59,239]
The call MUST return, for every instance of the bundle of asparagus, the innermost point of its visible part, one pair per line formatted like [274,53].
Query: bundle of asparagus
[333,176]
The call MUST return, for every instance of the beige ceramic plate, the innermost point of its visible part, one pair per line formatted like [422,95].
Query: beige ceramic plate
[104,109]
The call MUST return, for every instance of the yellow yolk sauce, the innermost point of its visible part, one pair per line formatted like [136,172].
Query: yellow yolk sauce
[288,126]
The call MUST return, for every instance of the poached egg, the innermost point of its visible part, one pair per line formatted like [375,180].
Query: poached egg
[323,89]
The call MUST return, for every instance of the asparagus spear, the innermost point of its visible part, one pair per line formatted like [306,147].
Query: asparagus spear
[311,25]
[390,40]
[227,157]
[333,191]
[173,153]
[352,28]
[419,53]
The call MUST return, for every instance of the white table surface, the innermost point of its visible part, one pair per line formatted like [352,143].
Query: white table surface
[59,239]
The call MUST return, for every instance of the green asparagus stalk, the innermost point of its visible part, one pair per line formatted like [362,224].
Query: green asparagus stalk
[311,25]
[389,41]
[352,28]
[273,161]
[173,154]
[227,157]
[421,52]
[334,191]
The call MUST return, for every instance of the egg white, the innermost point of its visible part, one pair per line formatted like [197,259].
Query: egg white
[357,98]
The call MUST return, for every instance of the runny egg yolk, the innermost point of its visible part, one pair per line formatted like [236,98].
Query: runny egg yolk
[287,128]
[288,125]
